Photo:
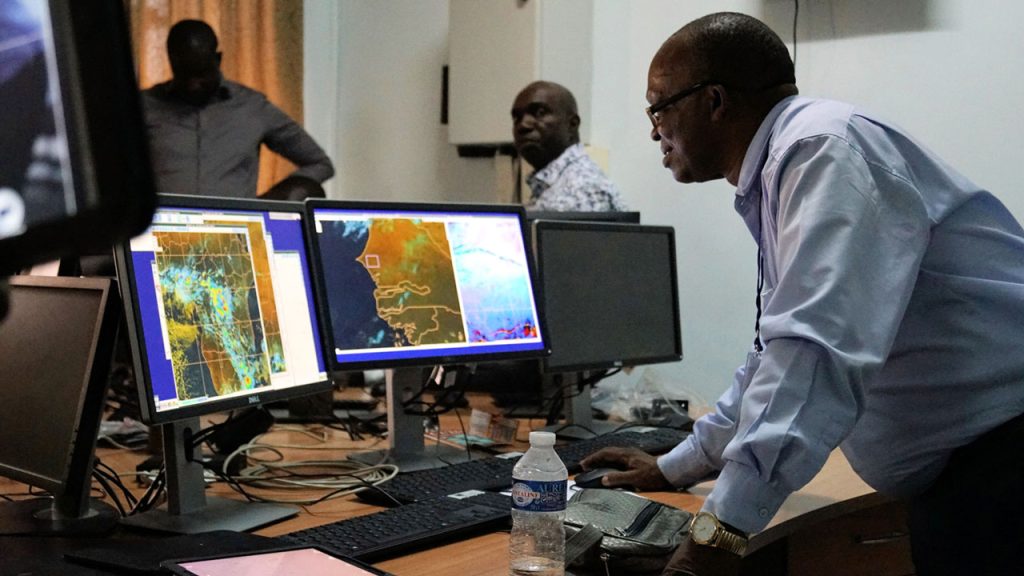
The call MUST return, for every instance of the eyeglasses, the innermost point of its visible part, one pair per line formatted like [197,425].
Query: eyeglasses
[654,110]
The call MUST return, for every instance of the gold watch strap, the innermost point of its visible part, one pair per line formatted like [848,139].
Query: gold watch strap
[732,542]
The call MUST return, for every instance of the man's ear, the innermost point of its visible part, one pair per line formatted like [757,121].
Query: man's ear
[574,127]
[719,100]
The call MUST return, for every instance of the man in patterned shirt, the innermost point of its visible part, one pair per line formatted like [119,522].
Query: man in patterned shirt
[545,129]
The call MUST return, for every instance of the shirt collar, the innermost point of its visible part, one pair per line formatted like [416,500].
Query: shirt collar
[550,173]
[225,91]
[757,151]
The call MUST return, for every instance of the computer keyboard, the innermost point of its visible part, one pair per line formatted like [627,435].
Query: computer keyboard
[650,440]
[399,531]
[495,473]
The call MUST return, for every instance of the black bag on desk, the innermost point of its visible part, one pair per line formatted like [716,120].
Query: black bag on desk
[634,535]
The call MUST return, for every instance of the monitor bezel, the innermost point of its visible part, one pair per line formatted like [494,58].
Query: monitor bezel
[126,274]
[71,492]
[537,232]
[337,367]
[624,217]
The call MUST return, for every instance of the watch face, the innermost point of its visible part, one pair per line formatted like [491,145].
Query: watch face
[703,528]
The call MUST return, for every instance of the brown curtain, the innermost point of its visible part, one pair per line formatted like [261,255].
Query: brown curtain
[261,42]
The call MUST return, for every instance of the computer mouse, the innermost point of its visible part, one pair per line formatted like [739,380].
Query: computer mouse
[592,478]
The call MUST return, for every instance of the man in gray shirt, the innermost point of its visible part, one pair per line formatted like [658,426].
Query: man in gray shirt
[205,131]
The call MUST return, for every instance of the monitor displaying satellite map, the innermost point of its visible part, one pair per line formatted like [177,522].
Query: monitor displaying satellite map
[406,284]
[225,302]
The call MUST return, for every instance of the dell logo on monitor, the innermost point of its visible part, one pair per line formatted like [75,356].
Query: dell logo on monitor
[254,399]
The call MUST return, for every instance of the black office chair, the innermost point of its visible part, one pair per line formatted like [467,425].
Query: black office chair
[294,189]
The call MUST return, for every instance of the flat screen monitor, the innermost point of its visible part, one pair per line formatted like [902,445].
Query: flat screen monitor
[74,168]
[221,308]
[611,297]
[55,349]
[618,305]
[221,315]
[424,284]
[409,285]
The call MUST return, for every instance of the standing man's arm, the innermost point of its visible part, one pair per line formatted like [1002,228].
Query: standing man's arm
[695,459]
[285,137]
[699,457]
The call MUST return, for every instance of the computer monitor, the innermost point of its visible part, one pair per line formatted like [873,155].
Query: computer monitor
[221,315]
[616,307]
[55,349]
[410,285]
[74,168]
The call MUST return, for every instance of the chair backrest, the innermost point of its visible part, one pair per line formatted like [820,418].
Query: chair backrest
[294,189]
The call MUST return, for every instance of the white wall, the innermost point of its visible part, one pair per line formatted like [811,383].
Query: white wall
[373,96]
[949,71]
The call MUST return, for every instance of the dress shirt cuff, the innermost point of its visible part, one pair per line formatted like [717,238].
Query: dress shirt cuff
[743,499]
[686,464]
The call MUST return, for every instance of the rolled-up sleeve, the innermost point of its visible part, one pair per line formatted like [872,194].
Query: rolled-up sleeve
[285,137]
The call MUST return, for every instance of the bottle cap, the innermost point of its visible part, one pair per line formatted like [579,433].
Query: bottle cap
[542,439]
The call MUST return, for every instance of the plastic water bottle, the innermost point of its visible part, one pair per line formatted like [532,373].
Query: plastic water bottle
[539,479]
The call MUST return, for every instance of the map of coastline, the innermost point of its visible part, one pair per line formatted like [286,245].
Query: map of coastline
[411,267]
[260,259]
[212,307]
[410,282]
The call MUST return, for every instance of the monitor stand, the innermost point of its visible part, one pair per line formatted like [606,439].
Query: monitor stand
[43,517]
[407,448]
[579,417]
[188,509]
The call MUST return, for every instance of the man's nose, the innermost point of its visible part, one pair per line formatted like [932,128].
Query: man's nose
[655,135]
[526,122]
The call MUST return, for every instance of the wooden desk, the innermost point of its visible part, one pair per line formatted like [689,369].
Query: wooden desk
[791,544]
[814,522]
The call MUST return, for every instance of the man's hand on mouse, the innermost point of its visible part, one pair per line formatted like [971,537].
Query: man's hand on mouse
[638,469]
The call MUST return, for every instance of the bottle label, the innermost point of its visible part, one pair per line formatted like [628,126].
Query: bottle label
[538,495]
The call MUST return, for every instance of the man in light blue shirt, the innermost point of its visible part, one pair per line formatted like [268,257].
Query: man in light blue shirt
[889,321]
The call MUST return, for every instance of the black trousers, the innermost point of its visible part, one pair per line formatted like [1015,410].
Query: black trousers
[970,522]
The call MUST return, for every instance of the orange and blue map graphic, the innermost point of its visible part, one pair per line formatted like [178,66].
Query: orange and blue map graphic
[413,282]
[218,303]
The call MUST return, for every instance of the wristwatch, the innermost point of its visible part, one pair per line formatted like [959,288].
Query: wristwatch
[707,530]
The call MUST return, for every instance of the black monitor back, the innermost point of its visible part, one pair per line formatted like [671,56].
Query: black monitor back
[55,350]
[610,294]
